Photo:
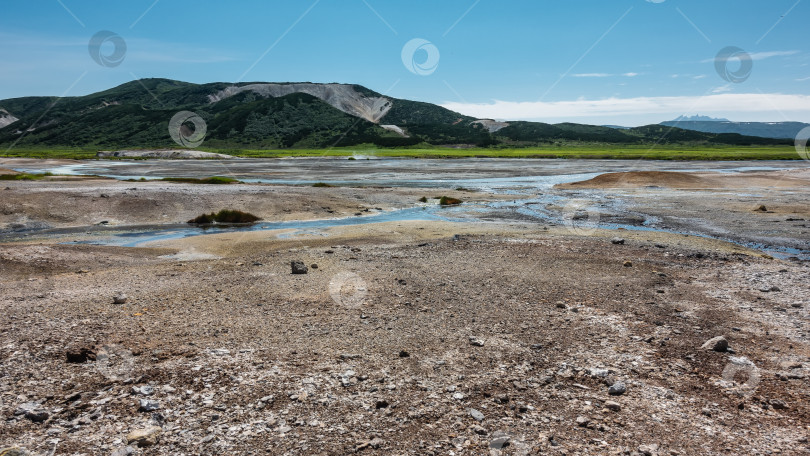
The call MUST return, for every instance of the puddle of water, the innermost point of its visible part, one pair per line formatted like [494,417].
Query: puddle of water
[136,238]
[534,177]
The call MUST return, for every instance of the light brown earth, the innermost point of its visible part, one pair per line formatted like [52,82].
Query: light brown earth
[398,333]
[672,179]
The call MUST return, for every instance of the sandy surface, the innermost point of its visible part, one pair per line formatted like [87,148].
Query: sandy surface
[408,338]
[681,180]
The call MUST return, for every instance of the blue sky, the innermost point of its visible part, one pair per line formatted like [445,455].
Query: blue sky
[626,62]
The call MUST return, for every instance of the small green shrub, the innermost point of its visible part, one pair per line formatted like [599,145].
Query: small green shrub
[447,201]
[322,184]
[216,180]
[23,176]
[423,200]
[224,216]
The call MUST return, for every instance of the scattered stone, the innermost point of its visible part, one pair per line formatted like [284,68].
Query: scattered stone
[80,354]
[583,421]
[32,411]
[14,451]
[613,406]
[458,396]
[628,264]
[374,443]
[148,405]
[777,404]
[617,241]
[475,342]
[145,390]
[477,416]
[144,437]
[761,208]
[126,451]
[772,289]
[298,267]
[381,404]
[500,442]
[648,450]
[479,430]
[404,354]
[718,344]
[617,389]
[314,266]
[120,298]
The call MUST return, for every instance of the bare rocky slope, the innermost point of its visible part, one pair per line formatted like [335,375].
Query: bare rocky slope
[341,96]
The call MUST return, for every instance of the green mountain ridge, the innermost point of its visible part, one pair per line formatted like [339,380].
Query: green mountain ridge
[137,114]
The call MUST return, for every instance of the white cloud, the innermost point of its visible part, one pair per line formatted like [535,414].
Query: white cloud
[761,55]
[803,79]
[766,55]
[743,107]
[602,75]
[722,89]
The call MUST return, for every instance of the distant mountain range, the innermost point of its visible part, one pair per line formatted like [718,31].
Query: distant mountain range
[784,130]
[699,118]
[262,115]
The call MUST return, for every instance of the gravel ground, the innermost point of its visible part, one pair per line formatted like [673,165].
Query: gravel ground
[422,338]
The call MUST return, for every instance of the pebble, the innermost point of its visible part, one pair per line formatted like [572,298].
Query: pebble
[617,389]
[613,406]
[617,241]
[144,437]
[718,344]
[144,390]
[628,264]
[120,298]
[32,411]
[298,267]
[477,416]
[147,405]
[126,451]
[476,342]
[648,450]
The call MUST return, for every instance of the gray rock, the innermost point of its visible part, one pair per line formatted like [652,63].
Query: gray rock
[144,390]
[475,342]
[648,450]
[477,416]
[617,241]
[120,298]
[613,406]
[126,451]
[583,421]
[14,451]
[298,267]
[144,437]
[617,389]
[718,344]
[148,405]
[32,411]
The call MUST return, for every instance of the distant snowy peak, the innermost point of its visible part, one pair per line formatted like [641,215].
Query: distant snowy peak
[699,118]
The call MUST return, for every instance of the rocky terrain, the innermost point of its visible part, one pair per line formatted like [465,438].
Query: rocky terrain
[400,338]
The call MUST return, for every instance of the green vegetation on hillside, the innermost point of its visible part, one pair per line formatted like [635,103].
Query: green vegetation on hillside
[136,115]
